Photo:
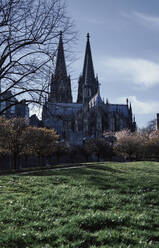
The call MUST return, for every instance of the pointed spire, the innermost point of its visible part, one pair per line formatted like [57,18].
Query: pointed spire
[53,90]
[88,63]
[86,81]
[127,101]
[88,36]
[60,61]
[98,90]
[60,82]
[130,108]
[86,91]
[88,76]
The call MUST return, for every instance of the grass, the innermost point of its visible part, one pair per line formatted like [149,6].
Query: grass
[107,205]
[38,168]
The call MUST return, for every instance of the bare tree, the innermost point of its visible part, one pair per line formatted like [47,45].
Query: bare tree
[151,126]
[29,31]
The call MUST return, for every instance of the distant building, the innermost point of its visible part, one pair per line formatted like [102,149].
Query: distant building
[22,110]
[7,104]
[12,108]
[90,116]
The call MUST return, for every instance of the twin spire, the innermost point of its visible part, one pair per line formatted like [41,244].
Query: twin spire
[61,85]
[88,63]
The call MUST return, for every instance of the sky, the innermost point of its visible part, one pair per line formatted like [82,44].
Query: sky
[124,37]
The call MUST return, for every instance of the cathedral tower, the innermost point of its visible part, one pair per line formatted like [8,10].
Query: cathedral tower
[87,76]
[60,83]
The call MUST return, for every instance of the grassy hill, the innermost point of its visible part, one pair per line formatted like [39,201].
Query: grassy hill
[103,205]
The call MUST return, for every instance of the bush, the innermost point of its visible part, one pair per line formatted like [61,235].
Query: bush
[129,145]
[152,145]
[101,148]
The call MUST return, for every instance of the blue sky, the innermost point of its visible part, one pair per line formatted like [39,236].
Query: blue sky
[124,36]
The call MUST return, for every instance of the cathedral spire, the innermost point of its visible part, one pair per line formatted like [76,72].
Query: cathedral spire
[60,83]
[130,108]
[60,61]
[87,75]
[88,63]
[86,86]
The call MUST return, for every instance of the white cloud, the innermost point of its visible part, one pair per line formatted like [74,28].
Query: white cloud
[141,107]
[147,20]
[138,71]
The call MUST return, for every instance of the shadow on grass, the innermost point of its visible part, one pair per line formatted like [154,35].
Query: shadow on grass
[105,168]
[63,169]
[30,170]
[101,176]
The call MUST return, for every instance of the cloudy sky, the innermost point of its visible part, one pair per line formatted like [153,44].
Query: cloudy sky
[124,36]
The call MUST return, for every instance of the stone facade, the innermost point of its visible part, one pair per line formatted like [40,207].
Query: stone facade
[90,116]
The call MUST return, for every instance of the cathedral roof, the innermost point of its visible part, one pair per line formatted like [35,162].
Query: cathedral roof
[64,109]
[122,108]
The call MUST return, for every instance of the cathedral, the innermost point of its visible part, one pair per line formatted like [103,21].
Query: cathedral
[90,116]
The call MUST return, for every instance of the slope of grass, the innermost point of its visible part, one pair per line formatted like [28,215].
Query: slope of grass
[107,205]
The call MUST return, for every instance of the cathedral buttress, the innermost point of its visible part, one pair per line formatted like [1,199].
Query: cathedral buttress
[60,83]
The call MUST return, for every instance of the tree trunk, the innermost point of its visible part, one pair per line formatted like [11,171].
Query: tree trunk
[25,161]
[58,158]
[10,161]
[98,157]
[15,160]
[39,161]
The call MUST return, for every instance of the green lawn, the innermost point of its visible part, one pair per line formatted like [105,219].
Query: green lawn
[107,205]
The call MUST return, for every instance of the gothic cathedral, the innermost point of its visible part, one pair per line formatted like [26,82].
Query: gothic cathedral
[90,116]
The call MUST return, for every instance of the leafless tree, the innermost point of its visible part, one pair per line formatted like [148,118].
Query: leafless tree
[29,31]
[151,126]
